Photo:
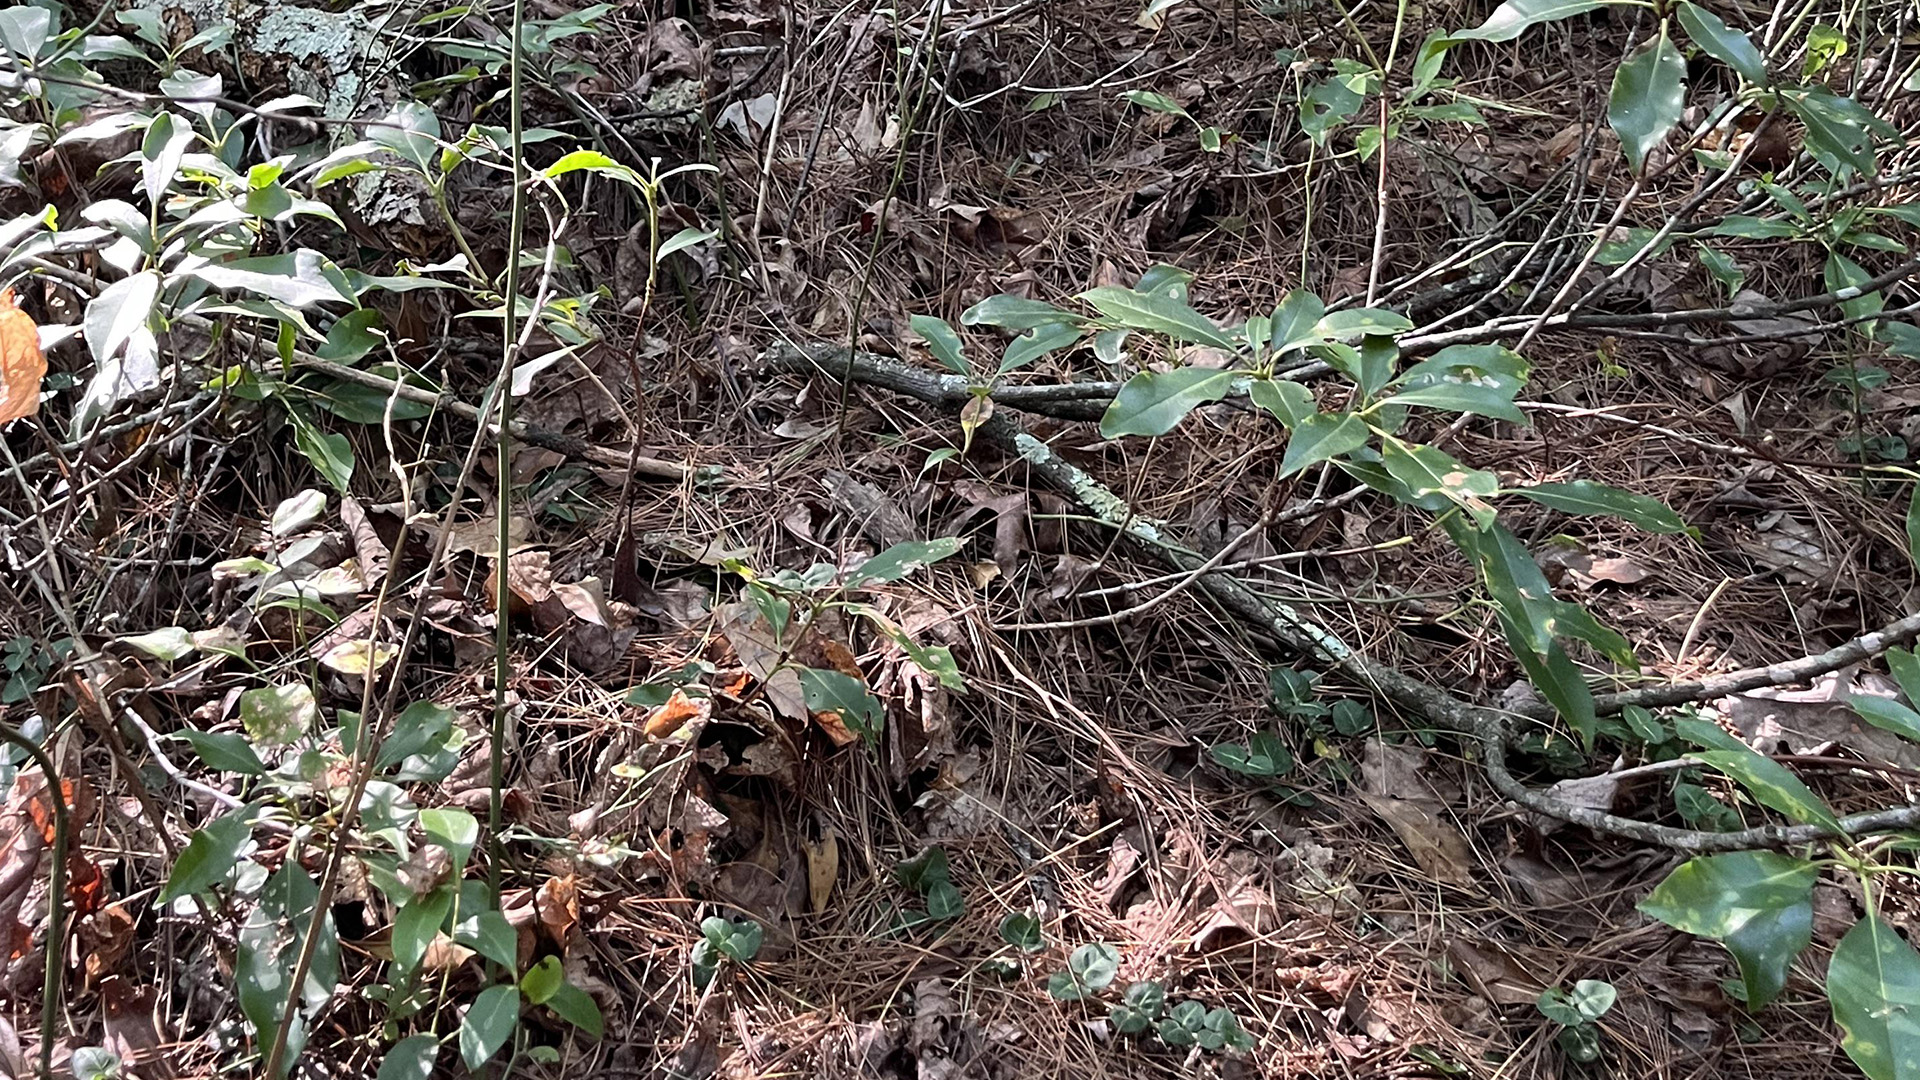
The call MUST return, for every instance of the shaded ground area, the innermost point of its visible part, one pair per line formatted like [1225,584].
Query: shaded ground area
[1377,911]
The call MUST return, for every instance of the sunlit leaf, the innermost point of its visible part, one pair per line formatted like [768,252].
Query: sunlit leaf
[1320,437]
[1154,402]
[1757,903]
[1159,314]
[1873,982]
[1649,93]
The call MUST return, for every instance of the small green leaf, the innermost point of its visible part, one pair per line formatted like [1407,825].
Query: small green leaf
[1016,313]
[489,934]
[417,924]
[1363,322]
[1747,227]
[452,828]
[488,1025]
[210,854]
[225,751]
[683,240]
[1906,671]
[278,715]
[1289,402]
[1649,93]
[945,902]
[411,1058]
[902,559]
[1757,903]
[941,341]
[1887,715]
[1843,273]
[166,643]
[1296,322]
[1769,782]
[1913,525]
[1153,403]
[1512,18]
[1159,103]
[1873,982]
[578,1008]
[1320,437]
[1585,498]
[331,454]
[1722,42]
[1022,931]
[588,161]
[1035,344]
[1429,469]
[845,697]
[1724,269]
[1159,314]
[542,980]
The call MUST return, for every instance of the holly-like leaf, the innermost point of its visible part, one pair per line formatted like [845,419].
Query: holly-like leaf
[1649,93]
[1154,402]
[1757,903]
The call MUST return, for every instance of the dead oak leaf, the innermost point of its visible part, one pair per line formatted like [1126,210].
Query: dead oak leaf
[22,364]
[1436,843]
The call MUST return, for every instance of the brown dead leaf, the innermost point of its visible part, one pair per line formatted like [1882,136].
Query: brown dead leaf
[529,580]
[679,709]
[22,365]
[753,642]
[558,906]
[130,1030]
[1245,909]
[1436,843]
[823,867]
[1496,972]
[842,659]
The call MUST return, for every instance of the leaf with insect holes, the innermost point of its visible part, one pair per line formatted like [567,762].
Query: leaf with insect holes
[1154,402]
[1159,314]
[1757,903]
[1873,982]
[1649,93]
[1320,437]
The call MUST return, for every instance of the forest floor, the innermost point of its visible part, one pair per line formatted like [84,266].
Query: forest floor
[1376,911]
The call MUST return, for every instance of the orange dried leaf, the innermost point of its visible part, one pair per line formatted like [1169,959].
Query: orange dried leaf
[670,717]
[842,659]
[22,365]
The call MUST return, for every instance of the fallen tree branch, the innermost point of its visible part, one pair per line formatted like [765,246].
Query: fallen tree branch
[1296,630]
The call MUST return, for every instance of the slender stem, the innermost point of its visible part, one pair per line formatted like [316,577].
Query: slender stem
[56,950]
[502,668]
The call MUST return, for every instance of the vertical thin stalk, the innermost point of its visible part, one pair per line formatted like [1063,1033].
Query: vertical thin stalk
[516,227]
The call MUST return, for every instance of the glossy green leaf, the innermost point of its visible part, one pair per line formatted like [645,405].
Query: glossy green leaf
[412,1058]
[166,643]
[1037,343]
[451,828]
[210,854]
[1847,277]
[1649,93]
[1159,103]
[1289,402]
[1322,436]
[488,933]
[1554,675]
[1906,671]
[941,341]
[1586,498]
[1722,42]
[1159,314]
[1154,402]
[1022,931]
[684,239]
[225,751]
[542,980]
[902,559]
[1771,784]
[944,901]
[417,924]
[1016,313]
[1295,323]
[1759,904]
[331,454]
[1428,469]
[1887,715]
[578,1008]
[844,696]
[1839,128]
[1873,982]
[1512,18]
[1723,268]
[1363,322]
[1748,227]
[488,1025]
[1485,395]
